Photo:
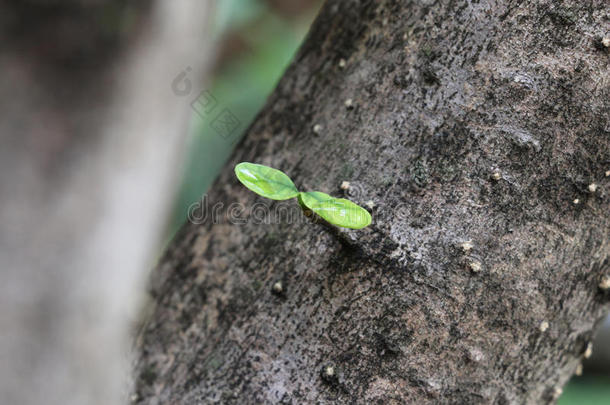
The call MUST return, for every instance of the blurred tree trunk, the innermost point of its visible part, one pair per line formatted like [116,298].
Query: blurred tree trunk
[91,139]
[480,131]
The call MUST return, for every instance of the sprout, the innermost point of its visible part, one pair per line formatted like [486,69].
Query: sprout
[274,184]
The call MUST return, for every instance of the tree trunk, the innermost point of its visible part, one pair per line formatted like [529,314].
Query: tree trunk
[479,130]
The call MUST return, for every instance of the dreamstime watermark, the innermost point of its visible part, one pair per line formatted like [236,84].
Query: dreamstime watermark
[236,213]
[223,121]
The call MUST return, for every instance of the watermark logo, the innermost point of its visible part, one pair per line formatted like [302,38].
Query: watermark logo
[222,120]
[225,123]
[181,85]
[204,104]
[201,212]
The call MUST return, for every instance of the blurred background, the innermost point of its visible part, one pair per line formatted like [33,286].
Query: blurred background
[256,40]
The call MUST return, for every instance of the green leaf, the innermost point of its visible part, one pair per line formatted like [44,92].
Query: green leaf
[310,198]
[266,181]
[337,211]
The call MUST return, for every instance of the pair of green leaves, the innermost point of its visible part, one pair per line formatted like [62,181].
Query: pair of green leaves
[274,184]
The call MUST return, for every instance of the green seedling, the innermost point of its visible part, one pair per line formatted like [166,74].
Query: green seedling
[276,185]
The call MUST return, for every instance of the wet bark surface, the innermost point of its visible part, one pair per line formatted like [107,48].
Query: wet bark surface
[476,129]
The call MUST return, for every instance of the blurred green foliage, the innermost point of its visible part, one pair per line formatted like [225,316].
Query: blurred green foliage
[587,390]
[264,41]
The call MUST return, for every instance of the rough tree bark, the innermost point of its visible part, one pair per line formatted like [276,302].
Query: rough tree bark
[472,121]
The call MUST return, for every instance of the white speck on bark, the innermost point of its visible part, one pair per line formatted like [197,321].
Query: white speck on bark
[604,283]
[588,350]
[467,246]
[475,355]
[475,266]
[277,287]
